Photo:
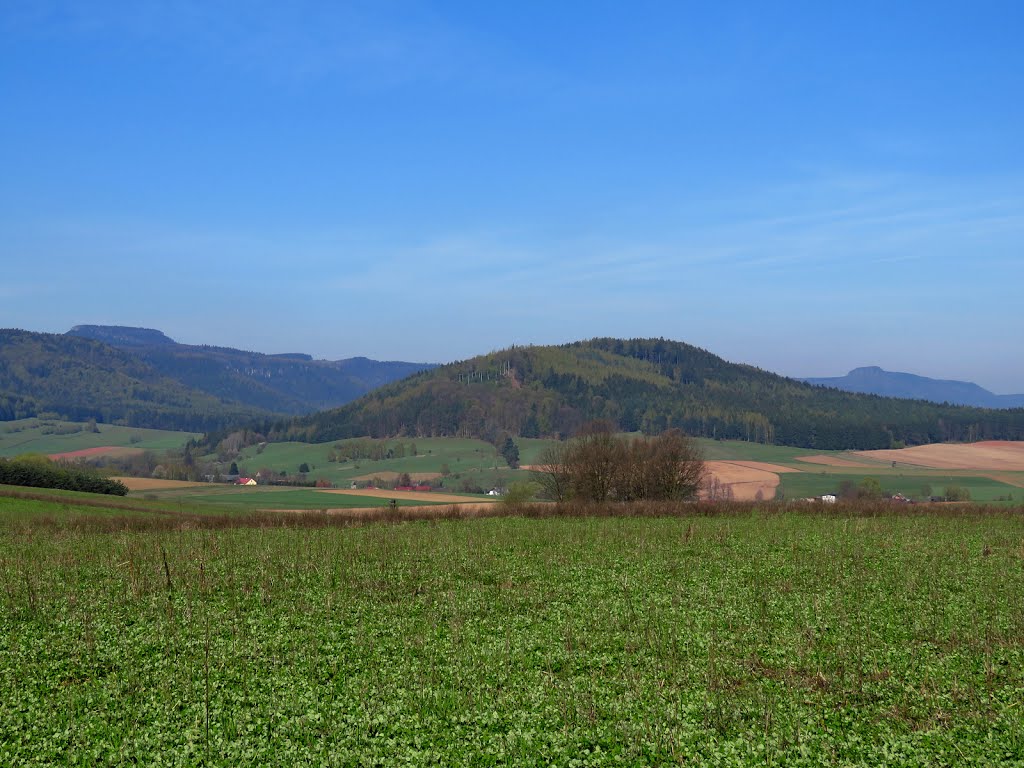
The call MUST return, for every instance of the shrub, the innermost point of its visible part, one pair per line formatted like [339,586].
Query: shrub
[869,488]
[520,493]
[957,493]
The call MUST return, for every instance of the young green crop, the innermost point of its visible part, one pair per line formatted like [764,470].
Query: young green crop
[754,637]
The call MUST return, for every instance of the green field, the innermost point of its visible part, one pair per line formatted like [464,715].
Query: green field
[42,436]
[744,637]
[464,459]
[32,505]
[275,498]
[983,489]
[738,450]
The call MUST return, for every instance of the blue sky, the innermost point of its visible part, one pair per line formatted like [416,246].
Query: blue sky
[807,187]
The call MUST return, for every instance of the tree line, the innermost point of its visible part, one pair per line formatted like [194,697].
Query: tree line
[40,472]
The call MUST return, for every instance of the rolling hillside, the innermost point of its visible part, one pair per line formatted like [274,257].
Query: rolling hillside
[141,378]
[640,384]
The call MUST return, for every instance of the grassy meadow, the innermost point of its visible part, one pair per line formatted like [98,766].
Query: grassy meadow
[48,436]
[913,484]
[475,461]
[689,634]
[242,498]
[738,450]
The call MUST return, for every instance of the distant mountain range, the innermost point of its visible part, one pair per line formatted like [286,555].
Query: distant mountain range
[639,384]
[873,380]
[141,377]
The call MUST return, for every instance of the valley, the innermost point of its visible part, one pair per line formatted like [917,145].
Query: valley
[993,472]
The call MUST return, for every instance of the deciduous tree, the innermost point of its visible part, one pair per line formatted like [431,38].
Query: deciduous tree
[599,465]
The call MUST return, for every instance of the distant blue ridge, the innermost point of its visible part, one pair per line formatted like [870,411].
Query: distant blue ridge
[873,380]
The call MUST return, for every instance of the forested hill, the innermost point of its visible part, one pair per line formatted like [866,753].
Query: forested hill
[78,379]
[286,383]
[640,384]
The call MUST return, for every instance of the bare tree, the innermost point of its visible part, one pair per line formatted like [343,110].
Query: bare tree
[666,467]
[552,474]
[716,490]
[598,465]
[595,459]
[679,466]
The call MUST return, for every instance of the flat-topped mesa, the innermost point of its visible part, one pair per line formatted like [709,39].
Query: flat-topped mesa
[122,335]
[877,381]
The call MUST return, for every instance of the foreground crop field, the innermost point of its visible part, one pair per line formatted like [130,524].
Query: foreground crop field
[738,637]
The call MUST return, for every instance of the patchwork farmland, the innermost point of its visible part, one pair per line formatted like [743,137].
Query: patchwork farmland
[992,471]
[744,471]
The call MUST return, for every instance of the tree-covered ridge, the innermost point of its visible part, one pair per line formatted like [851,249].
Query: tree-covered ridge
[78,379]
[289,383]
[650,385]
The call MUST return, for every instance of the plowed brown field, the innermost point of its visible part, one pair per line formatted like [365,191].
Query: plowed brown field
[390,476]
[994,454]
[766,466]
[746,481]
[153,484]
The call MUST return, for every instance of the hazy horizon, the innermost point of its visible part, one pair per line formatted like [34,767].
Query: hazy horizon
[805,189]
